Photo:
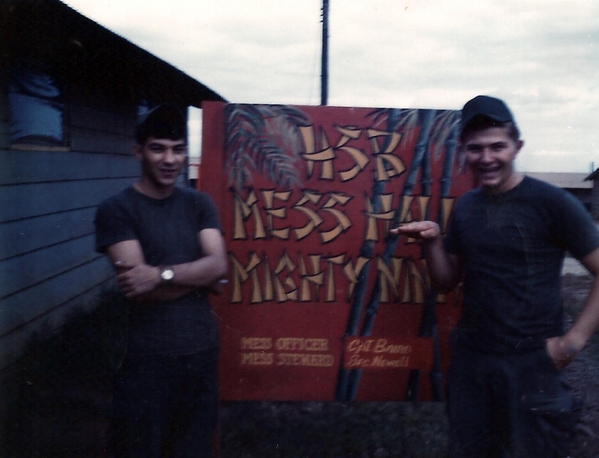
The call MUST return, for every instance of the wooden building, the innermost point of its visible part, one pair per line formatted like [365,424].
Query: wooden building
[70,95]
[576,183]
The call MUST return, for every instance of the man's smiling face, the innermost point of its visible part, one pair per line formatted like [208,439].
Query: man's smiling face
[490,153]
[162,161]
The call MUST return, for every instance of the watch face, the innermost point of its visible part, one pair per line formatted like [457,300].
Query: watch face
[167,274]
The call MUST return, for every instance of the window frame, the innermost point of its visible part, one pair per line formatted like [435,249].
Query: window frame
[57,101]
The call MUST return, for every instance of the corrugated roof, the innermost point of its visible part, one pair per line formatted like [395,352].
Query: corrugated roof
[563,180]
[80,47]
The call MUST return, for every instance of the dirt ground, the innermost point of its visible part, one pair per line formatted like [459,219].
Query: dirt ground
[56,404]
[583,373]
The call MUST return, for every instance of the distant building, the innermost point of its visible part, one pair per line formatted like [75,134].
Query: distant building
[71,92]
[576,183]
[194,164]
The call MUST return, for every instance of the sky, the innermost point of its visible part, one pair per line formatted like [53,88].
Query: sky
[540,56]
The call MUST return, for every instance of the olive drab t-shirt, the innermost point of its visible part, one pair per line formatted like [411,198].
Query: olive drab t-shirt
[512,247]
[167,230]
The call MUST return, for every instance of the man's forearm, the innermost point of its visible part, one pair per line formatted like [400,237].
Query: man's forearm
[443,270]
[187,277]
[202,272]
[563,349]
[141,282]
[588,320]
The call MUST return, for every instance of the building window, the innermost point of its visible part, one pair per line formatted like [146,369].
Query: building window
[143,108]
[37,109]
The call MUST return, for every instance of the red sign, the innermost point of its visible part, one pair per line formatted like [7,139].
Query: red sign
[388,353]
[307,196]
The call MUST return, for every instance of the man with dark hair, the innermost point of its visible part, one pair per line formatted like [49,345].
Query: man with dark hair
[167,249]
[506,241]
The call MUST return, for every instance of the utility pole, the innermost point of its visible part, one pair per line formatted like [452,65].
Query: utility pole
[324,75]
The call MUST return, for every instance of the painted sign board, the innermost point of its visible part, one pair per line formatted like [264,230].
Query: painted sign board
[322,302]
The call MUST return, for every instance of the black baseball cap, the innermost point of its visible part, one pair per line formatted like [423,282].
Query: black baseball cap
[484,105]
[162,121]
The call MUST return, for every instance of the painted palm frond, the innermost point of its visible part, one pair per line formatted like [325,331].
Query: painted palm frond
[243,122]
[379,115]
[446,122]
[274,163]
[406,123]
[263,138]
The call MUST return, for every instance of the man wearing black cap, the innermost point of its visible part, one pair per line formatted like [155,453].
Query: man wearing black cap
[166,246]
[506,241]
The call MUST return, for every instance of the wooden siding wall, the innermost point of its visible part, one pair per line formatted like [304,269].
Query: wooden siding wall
[47,206]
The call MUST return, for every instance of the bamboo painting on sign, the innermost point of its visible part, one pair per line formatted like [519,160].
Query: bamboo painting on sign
[322,302]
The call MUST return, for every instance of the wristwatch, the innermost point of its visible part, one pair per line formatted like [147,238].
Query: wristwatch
[166,273]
